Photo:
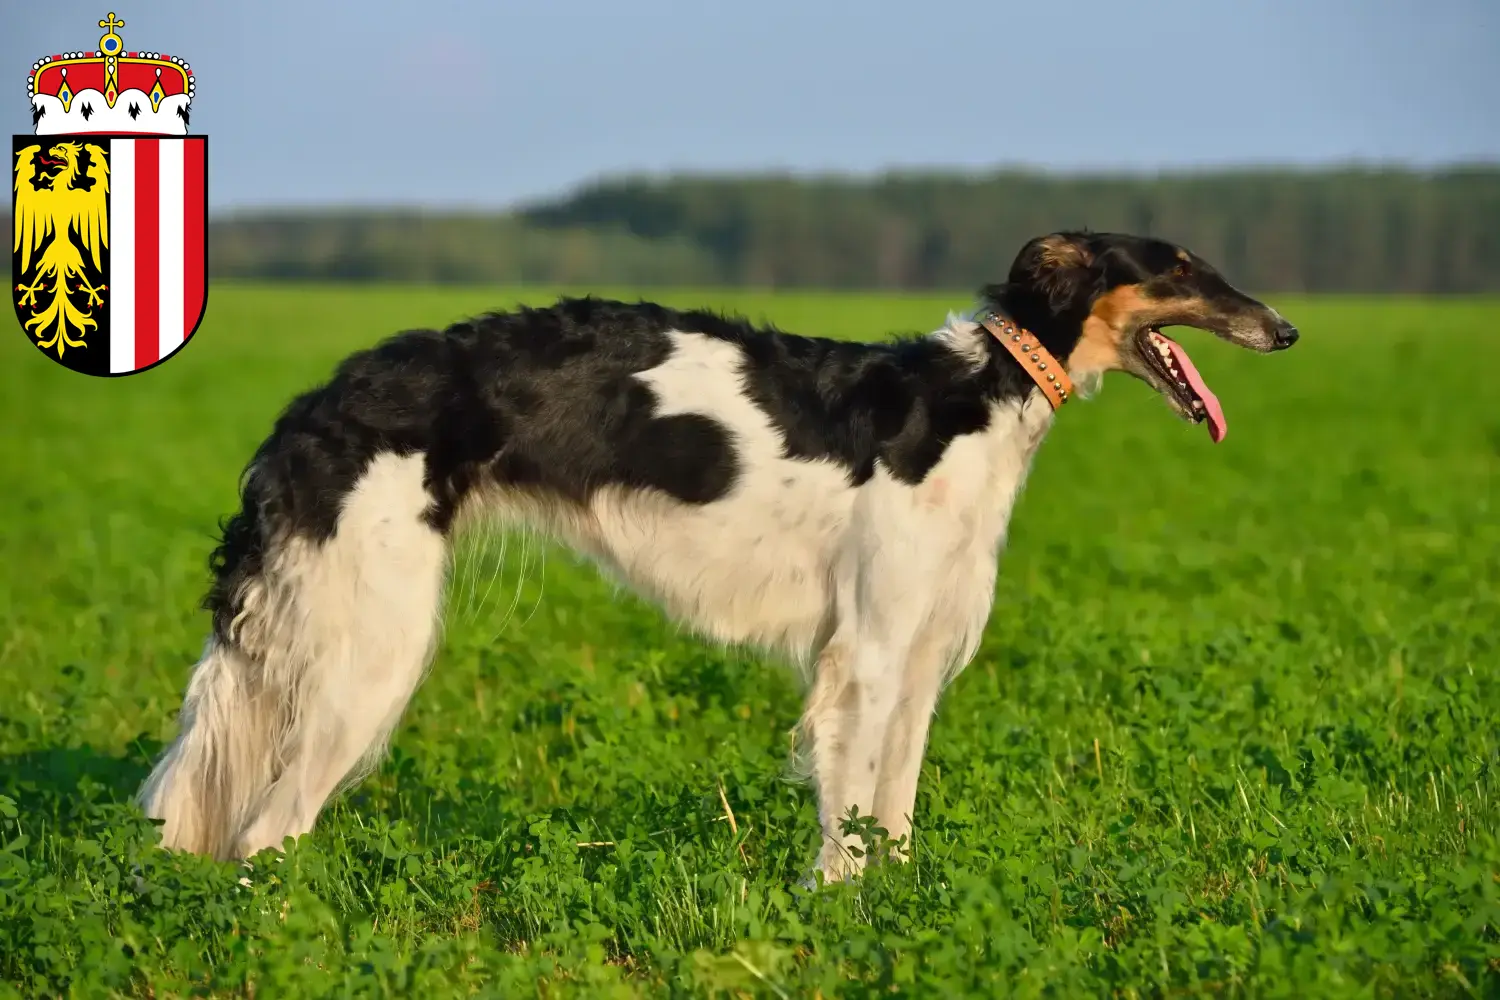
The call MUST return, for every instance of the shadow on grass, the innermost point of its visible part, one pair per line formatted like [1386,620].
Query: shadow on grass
[66,785]
[72,790]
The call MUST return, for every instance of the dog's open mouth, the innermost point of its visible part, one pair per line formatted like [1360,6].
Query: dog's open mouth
[1176,369]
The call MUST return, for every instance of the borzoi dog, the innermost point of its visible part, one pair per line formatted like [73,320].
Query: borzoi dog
[840,504]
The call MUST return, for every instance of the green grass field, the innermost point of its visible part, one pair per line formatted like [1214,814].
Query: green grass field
[1233,729]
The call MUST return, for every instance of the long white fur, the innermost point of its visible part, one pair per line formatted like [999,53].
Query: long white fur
[879,592]
[332,643]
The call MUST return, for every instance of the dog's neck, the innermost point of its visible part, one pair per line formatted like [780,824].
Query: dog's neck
[1031,310]
[1048,335]
[1035,360]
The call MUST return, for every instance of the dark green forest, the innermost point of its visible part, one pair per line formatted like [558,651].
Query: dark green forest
[1346,230]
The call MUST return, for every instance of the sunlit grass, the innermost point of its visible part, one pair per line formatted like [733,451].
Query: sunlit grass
[1232,730]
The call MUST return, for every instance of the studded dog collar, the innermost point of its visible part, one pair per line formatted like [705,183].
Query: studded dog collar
[1037,361]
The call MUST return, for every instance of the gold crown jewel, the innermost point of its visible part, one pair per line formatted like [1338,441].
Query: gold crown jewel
[111,89]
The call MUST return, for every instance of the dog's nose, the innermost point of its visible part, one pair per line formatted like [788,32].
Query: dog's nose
[1286,335]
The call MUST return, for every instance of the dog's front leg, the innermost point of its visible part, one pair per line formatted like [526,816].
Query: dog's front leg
[854,693]
[905,742]
[859,673]
[911,600]
[872,714]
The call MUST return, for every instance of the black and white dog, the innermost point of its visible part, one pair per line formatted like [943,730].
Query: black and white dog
[841,504]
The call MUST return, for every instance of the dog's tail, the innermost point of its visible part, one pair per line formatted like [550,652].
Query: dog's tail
[322,631]
[208,782]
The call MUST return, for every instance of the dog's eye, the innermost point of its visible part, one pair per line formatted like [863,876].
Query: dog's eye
[1182,270]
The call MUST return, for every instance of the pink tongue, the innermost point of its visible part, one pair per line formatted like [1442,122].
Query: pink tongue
[1217,426]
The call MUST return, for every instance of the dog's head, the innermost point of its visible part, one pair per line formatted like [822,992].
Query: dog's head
[1098,302]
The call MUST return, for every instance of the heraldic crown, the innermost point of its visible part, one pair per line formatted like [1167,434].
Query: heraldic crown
[110,90]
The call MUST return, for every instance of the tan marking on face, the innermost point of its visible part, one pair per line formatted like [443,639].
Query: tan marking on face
[1121,312]
[1113,315]
[1182,256]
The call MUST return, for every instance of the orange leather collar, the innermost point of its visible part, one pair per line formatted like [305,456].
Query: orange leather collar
[1037,361]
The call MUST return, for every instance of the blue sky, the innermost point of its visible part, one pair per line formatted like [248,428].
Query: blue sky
[442,103]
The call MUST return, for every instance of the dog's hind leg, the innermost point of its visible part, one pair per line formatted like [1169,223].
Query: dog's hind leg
[371,599]
[328,642]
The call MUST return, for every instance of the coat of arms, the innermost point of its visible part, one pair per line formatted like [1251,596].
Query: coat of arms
[111,209]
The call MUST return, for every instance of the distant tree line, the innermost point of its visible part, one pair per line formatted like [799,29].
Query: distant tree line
[1346,230]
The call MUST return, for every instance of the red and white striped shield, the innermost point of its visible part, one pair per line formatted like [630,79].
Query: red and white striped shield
[110,252]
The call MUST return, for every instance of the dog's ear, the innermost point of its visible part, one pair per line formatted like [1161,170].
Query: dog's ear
[1059,267]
